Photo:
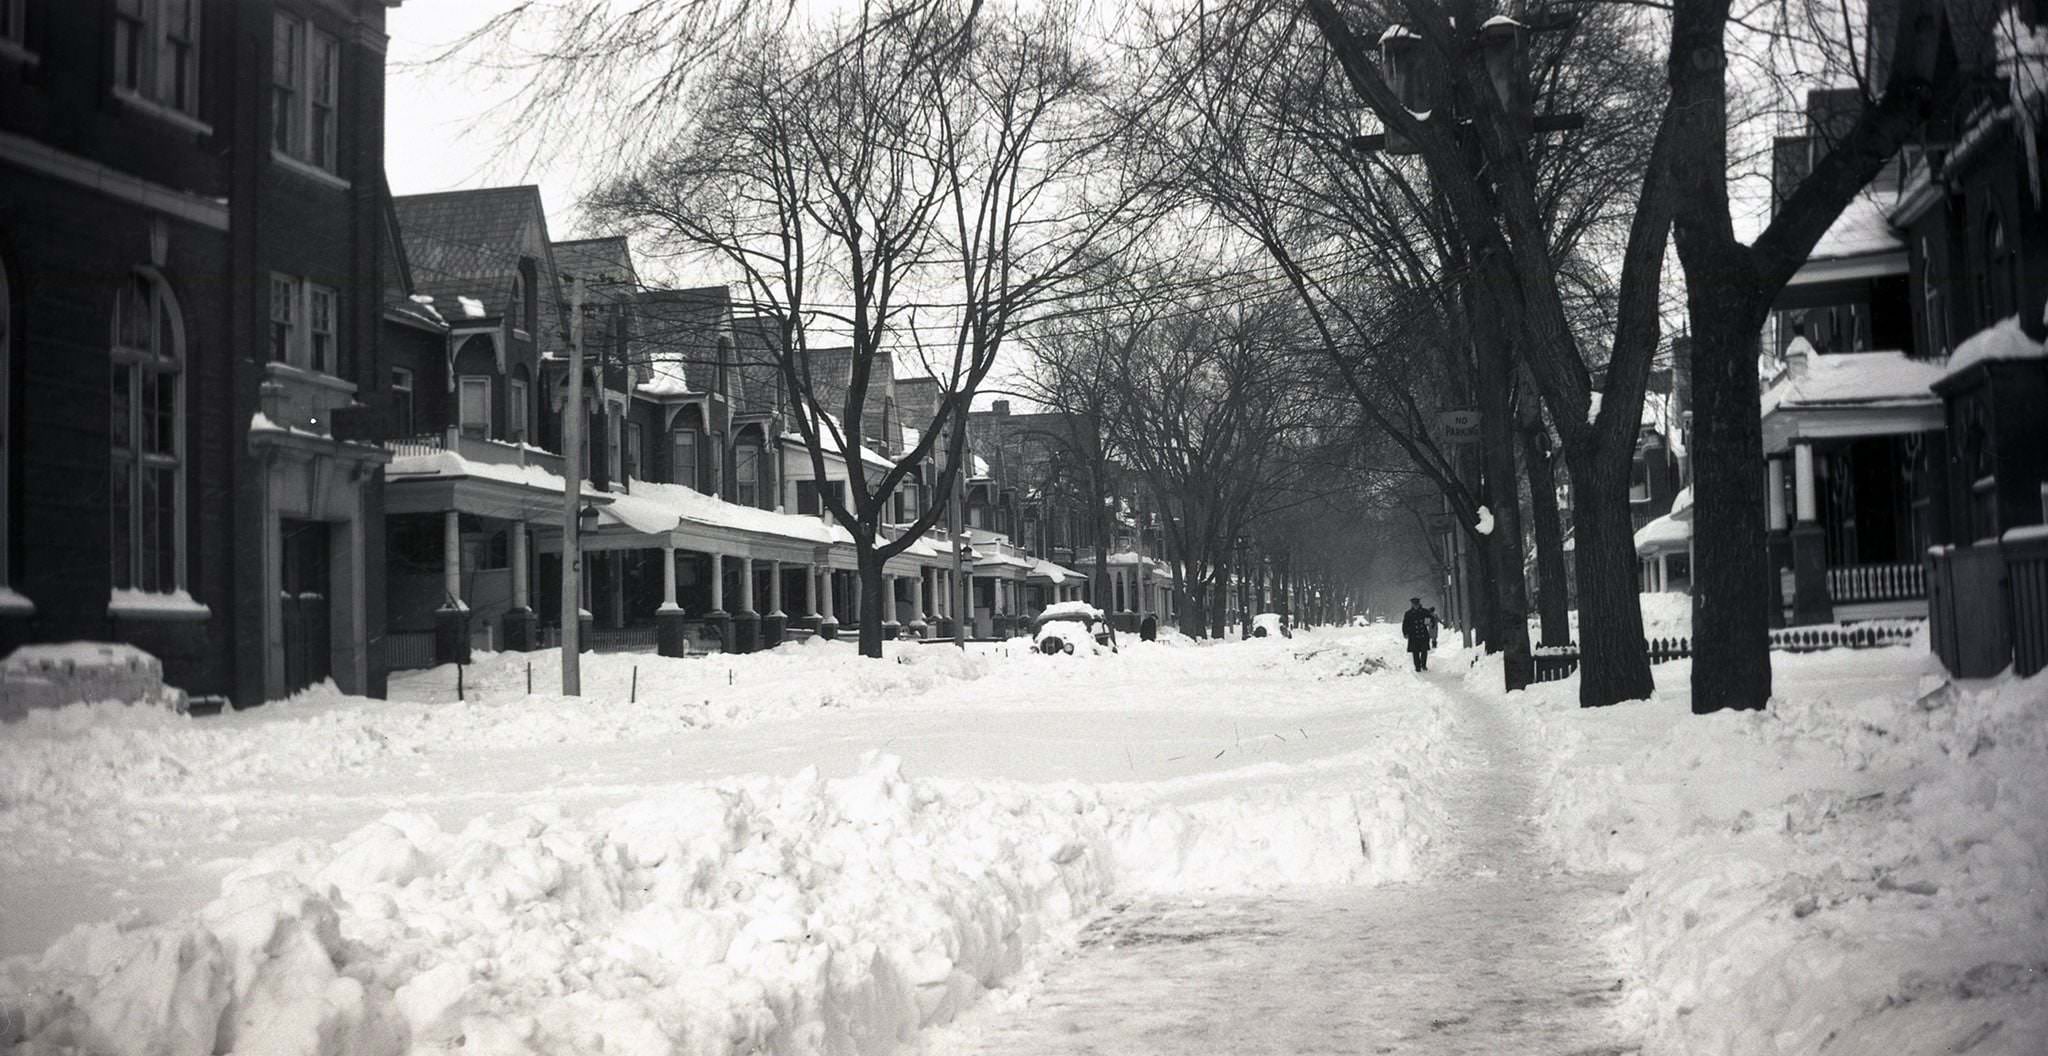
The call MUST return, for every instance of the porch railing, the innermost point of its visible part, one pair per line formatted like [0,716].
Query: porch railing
[475,449]
[1892,581]
[1560,661]
[408,650]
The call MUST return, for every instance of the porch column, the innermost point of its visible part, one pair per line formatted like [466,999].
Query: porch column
[920,619]
[775,621]
[518,623]
[519,584]
[451,618]
[671,630]
[828,624]
[890,609]
[746,623]
[718,621]
[1810,600]
[1777,544]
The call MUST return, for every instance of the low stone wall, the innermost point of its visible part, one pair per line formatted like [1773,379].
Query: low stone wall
[53,675]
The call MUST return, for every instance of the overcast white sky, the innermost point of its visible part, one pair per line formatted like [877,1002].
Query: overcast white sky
[437,134]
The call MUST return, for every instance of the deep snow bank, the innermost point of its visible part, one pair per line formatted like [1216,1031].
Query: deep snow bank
[751,914]
[1861,868]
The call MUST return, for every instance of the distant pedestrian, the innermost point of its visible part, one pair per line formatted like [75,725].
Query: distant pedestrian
[1418,626]
[1435,625]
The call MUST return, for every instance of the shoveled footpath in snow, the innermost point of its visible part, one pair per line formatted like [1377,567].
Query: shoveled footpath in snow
[1492,950]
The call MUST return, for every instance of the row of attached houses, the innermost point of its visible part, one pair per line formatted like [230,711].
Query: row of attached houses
[272,425]
[1904,375]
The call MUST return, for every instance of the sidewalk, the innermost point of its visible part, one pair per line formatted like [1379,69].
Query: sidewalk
[1493,952]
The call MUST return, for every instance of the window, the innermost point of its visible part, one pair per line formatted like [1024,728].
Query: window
[682,457]
[474,405]
[1639,480]
[518,302]
[320,328]
[632,450]
[156,50]
[516,411]
[2001,281]
[717,455]
[807,500]
[746,474]
[147,433]
[1937,324]
[401,401]
[302,324]
[305,79]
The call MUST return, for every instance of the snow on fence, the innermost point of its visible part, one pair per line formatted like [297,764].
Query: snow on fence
[1892,581]
[1559,662]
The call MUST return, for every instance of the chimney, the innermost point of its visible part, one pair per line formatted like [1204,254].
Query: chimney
[1002,407]
[1797,354]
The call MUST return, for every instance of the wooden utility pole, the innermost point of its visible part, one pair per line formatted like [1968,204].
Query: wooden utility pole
[572,500]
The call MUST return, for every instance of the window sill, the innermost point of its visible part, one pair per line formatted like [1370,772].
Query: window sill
[148,605]
[150,107]
[14,52]
[309,170]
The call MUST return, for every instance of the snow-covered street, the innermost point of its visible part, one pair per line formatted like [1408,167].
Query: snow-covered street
[1270,846]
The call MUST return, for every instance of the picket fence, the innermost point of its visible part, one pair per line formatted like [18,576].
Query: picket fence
[1559,662]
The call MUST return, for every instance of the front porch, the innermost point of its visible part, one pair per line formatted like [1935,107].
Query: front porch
[1846,440]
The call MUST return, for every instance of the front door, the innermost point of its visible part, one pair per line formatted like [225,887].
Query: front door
[304,601]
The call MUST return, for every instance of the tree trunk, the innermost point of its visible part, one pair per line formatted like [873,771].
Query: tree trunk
[1508,628]
[870,571]
[1553,601]
[1613,664]
[1731,587]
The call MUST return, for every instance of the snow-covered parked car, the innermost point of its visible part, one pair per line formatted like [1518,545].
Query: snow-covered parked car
[1270,625]
[1067,626]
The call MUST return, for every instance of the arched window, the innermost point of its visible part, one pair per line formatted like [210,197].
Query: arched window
[516,306]
[147,438]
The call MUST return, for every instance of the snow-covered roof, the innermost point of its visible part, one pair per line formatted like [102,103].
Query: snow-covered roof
[650,500]
[1055,572]
[1861,230]
[451,464]
[1867,379]
[2002,341]
[1664,533]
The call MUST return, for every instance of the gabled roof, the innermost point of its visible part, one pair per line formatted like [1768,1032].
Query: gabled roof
[757,377]
[469,244]
[676,333]
[604,264]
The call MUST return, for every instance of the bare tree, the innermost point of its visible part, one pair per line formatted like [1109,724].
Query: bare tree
[903,187]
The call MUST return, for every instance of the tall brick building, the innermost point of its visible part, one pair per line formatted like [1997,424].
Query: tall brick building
[190,239]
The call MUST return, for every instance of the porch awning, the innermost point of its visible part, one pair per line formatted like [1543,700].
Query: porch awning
[1851,394]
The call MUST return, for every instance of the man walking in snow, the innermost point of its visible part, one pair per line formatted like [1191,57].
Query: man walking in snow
[1415,626]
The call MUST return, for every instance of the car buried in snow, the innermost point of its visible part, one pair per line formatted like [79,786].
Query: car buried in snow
[1270,625]
[1071,626]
